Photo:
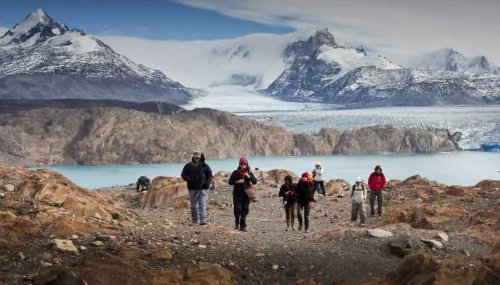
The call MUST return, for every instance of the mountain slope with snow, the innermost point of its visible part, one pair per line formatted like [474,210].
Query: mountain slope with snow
[43,59]
[350,77]
[451,60]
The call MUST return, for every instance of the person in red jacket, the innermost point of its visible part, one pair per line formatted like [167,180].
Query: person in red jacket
[377,183]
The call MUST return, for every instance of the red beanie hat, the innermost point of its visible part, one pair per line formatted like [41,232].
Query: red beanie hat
[305,175]
[243,161]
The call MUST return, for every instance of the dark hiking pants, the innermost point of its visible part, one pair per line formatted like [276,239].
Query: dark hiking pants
[379,195]
[320,184]
[241,204]
[306,209]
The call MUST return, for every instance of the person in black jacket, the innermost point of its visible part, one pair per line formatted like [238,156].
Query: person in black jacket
[303,192]
[143,183]
[287,191]
[242,179]
[198,176]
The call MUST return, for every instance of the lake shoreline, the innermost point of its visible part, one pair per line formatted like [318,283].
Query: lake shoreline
[248,156]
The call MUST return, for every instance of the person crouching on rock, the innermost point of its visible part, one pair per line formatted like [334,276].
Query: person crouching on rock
[143,182]
[198,176]
[287,191]
[377,183]
[318,181]
[242,178]
[358,197]
[303,192]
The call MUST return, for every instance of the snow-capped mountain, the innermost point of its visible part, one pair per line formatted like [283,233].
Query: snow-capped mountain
[319,63]
[451,60]
[348,76]
[43,59]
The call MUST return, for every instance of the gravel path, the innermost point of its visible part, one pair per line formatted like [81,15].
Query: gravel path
[323,254]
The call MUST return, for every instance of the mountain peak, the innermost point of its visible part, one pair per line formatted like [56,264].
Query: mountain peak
[38,15]
[306,42]
[449,59]
[36,27]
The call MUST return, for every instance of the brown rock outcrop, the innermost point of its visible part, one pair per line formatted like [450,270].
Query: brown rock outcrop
[106,269]
[105,135]
[163,190]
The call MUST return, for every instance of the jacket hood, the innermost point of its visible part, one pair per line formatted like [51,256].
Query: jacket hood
[318,163]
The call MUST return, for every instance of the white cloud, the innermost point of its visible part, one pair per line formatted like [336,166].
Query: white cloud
[398,29]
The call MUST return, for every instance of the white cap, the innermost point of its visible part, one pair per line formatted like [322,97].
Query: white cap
[358,179]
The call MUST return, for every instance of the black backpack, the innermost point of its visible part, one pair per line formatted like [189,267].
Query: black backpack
[353,187]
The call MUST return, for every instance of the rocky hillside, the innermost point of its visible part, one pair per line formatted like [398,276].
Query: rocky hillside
[121,136]
[12,106]
[54,232]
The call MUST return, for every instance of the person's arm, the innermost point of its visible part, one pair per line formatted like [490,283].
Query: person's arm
[252,178]
[282,191]
[370,182]
[184,174]
[137,184]
[208,173]
[232,178]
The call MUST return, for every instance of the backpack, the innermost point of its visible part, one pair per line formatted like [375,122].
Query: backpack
[353,187]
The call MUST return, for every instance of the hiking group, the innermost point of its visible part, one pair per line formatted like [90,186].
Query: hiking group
[297,197]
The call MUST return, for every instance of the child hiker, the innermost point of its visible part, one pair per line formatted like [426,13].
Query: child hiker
[358,197]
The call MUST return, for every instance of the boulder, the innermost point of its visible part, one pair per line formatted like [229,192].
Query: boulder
[64,245]
[433,243]
[378,233]
[65,276]
[336,187]
[162,191]
[161,254]
[425,269]
[405,245]
[488,185]
[8,187]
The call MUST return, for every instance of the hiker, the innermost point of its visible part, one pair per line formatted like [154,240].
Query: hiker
[377,184]
[358,197]
[287,191]
[143,183]
[303,191]
[242,179]
[318,179]
[198,176]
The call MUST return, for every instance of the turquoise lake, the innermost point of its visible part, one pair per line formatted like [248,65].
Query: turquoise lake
[458,168]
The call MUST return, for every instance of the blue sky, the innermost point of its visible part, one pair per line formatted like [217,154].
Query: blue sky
[154,19]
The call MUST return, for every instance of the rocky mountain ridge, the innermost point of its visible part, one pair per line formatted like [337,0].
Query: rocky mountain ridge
[43,59]
[104,135]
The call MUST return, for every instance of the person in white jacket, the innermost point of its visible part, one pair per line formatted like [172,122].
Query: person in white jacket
[318,179]
[358,197]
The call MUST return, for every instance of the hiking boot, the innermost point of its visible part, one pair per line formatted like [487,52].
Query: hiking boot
[300,228]
[380,214]
[243,229]
[203,223]
[362,224]
[306,231]
[236,227]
